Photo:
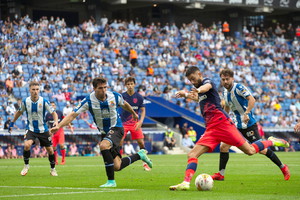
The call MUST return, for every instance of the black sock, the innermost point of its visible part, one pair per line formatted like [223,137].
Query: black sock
[26,156]
[224,157]
[109,164]
[270,154]
[52,160]
[129,160]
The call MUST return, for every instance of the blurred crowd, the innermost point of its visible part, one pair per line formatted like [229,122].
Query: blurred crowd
[65,60]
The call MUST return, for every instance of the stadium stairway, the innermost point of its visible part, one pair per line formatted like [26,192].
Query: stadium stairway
[168,114]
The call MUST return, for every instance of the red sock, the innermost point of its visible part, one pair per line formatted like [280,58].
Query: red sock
[261,145]
[190,169]
[55,156]
[63,154]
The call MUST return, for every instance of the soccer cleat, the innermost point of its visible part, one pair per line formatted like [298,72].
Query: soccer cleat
[217,177]
[286,172]
[109,183]
[63,162]
[25,170]
[146,167]
[143,154]
[53,172]
[182,186]
[279,142]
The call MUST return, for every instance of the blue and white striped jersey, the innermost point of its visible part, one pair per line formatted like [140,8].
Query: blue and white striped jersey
[36,112]
[104,113]
[236,100]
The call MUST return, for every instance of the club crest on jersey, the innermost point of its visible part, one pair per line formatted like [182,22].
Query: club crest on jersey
[40,106]
[112,103]
[135,100]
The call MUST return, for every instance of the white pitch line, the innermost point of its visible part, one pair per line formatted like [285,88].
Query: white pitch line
[57,193]
[44,187]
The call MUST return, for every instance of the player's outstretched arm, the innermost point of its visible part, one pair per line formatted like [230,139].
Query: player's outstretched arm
[297,128]
[68,119]
[12,123]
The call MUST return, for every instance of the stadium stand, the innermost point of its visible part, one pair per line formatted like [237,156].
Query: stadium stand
[65,60]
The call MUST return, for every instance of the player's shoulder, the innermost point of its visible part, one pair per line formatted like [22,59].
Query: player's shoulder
[240,86]
[138,95]
[206,81]
[116,94]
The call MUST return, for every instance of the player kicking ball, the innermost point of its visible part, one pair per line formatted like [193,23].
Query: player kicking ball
[219,127]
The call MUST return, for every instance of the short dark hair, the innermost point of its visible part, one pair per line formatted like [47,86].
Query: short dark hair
[191,70]
[129,79]
[227,72]
[98,80]
[34,83]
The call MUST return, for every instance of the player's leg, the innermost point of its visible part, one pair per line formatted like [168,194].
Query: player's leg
[252,135]
[61,142]
[45,141]
[26,154]
[273,157]
[139,137]
[108,159]
[191,168]
[54,145]
[224,157]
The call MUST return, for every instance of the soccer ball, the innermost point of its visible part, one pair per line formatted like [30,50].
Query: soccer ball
[204,182]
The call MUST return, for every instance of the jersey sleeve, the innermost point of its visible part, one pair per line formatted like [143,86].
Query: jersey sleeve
[119,99]
[242,91]
[48,107]
[82,106]
[142,104]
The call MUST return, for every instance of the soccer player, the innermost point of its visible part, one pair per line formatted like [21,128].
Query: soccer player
[35,108]
[137,103]
[240,101]
[102,105]
[219,127]
[59,136]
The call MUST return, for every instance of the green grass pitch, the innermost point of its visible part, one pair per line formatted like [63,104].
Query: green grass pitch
[248,178]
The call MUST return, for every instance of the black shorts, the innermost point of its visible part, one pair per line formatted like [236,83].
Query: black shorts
[251,133]
[114,136]
[44,138]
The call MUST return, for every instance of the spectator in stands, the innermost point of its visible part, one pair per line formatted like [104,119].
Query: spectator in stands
[187,141]
[36,151]
[128,148]
[3,92]
[14,154]
[1,123]
[10,109]
[133,56]
[8,152]
[96,149]
[87,151]
[73,151]
[184,129]
[2,155]
[192,134]
[43,153]
[9,83]
[169,140]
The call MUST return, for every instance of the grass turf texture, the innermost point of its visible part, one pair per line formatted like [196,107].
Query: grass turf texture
[254,177]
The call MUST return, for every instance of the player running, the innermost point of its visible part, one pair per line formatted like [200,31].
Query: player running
[35,108]
[102,105]
[58,137]
[219,127]
[130,125]
[240,101]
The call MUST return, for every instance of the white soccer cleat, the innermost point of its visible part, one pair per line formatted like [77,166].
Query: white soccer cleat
[25,170]
[53,172]
[182,186]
